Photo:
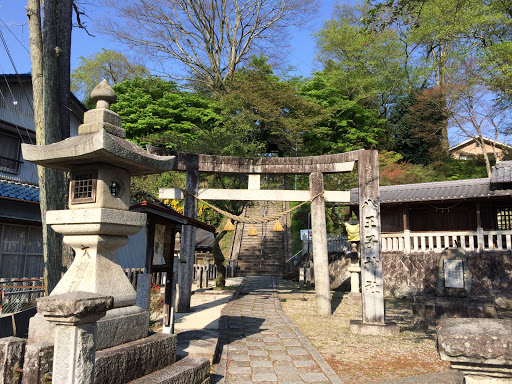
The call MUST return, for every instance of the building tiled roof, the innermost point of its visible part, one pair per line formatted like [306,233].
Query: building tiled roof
[438,191]
[19,191]
[502,172]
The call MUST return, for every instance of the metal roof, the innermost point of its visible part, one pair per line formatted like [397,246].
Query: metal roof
[19,191]
[437,191]
[502,172]
[169,213]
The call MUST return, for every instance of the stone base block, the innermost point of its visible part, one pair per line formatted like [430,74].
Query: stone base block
[485,380]
[428,309]
[484,370]
[480,348]
[120,325]
[352,298]
[190,370]
[124,363]
[359,328]
[198,343]
[477,343]
[11,357]
[38,363]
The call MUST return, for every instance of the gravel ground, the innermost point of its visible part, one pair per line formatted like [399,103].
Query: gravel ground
[362,359]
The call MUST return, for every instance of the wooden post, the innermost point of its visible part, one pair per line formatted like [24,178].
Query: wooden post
[370,231]
[407,231]
[320,257]
[479,230]
[169,283]
[188,235]
[478,216]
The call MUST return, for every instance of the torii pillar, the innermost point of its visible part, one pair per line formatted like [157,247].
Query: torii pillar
[370,249]
[320,252]
[188,235]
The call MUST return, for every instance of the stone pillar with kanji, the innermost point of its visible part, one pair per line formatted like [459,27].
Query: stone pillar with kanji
[372,288]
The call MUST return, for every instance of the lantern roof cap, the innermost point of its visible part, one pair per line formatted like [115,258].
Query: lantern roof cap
[99,147]
[100,140]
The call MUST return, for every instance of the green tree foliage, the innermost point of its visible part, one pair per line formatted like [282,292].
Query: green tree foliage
[417,124]
[269,110]
[156,112]
[364,65]
[440,34]
[454,169]
[345,124]
[113,66]
[413,149]
[428,118]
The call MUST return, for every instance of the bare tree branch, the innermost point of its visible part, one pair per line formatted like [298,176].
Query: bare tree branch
[209,38]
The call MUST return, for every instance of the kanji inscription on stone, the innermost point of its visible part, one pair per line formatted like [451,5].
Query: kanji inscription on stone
[370,246]
[453,274]
[371,254]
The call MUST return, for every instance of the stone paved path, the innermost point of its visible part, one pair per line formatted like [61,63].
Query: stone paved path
[259,344]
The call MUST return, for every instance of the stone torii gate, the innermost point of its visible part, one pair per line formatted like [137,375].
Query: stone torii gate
[315,166]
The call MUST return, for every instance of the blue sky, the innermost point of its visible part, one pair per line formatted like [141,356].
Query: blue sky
[13,25]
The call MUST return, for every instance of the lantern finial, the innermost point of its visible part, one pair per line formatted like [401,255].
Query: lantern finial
[103,94]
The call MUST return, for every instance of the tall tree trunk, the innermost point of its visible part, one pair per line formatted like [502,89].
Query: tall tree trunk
[445,145]
[50,48]
[480,140]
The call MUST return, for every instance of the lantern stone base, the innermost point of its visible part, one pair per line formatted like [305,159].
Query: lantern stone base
[388,329]
[119,326]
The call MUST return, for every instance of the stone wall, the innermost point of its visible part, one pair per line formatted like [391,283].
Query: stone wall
[407,275]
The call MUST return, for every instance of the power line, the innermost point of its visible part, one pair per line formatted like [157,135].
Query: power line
[14,35]
[16,71]
[19,113]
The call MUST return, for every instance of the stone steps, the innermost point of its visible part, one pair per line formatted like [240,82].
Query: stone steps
[262,254]
[194,370]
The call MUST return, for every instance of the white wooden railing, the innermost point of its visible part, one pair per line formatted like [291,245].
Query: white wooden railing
[478,240]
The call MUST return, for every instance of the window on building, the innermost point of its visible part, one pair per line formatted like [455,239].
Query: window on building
[504,218]
[21,251]
[9,153]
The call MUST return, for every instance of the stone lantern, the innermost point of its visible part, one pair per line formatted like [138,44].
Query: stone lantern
[98,221]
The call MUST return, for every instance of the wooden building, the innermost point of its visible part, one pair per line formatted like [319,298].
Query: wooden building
[470,148]
[21,248]
[475,214]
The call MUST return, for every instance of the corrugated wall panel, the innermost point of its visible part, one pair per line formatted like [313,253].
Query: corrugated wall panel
[14,106]
[133,254]
[16,109]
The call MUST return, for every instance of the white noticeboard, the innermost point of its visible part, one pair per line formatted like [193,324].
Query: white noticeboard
[306,234]
[453,274]
[158,253]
